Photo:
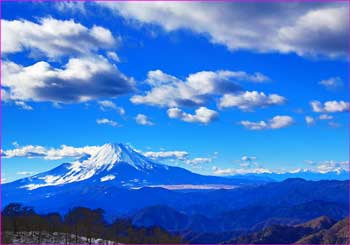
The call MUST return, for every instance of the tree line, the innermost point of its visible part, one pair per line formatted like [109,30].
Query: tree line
[80,222]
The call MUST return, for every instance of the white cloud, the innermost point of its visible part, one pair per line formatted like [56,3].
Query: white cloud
[53,38]
[317,32]
[107,121]
[274,123]
[23,105]
[71,7]
[310,120]
[202,115]
[6,98]
[113,56]
[198,160]
[234,171]
[24,173]
[158,155]
[174,156]
[325,117]
[34,151]
[81,79]
[143,120]
[331,166]
[329,106]
[248,158]
[332,83]
[334,125]
[107,104]
[298,27]
[249,100]
[197,89]
[315,167]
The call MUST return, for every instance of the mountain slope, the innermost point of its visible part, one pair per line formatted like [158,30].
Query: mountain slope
[288,234]
[123,201]
[120,166]
[337,234]
[246,219]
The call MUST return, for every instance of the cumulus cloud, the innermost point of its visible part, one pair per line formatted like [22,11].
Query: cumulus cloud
[110,105]
[318,32]
[332,83]
[310,120]
[53,38]
[302,28]
[202,115]
[329,106]
[143,120]
[34,151]
[81,79]
[159,155]
[276,122]
[249,100]
[107,121]
[197,89]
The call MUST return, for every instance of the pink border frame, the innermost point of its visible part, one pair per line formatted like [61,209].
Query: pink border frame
[260,1]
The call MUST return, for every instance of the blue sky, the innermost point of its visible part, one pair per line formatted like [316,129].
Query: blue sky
[234,94]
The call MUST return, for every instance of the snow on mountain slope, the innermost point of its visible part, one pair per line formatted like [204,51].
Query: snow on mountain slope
[102,163]
[120,166]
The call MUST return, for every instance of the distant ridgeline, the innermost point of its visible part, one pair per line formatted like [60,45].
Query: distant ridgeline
[22,225]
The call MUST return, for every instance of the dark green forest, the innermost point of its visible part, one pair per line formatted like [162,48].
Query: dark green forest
[79,222]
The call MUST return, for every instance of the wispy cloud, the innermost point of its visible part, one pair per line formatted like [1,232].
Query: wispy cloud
[159,155]
[37,151]
[310,120]
[110,105]
[332,83]
[199,160]
[107,121]
[25,173]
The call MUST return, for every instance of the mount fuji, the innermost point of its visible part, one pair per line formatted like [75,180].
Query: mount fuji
[120,165]
[114,173]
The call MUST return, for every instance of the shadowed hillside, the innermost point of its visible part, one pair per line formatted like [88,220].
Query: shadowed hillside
[318,231]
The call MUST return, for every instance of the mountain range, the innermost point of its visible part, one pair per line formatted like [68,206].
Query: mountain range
[321,230]
[126,184]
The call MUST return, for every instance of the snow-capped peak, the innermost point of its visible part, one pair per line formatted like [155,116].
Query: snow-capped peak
[108,156]
[111,154]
